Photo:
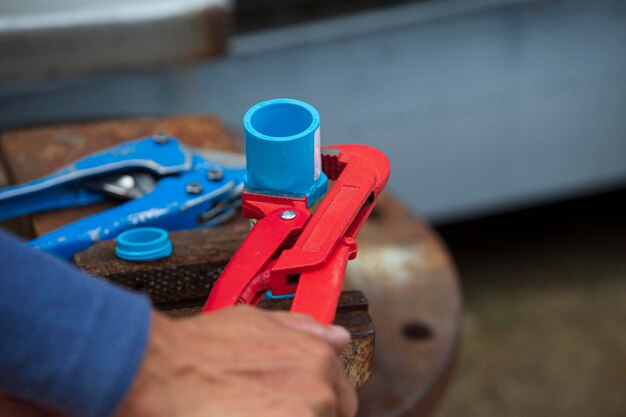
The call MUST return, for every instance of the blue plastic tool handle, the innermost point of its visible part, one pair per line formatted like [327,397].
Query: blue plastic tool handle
[282,138]
[62,188]
[169,206]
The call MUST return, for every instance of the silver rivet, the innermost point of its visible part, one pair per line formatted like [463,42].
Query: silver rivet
[288,215]
[215,174]
[194,188]
[126,181]
[161,138]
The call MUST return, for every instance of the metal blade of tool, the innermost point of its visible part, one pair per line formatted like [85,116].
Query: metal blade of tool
[123,186]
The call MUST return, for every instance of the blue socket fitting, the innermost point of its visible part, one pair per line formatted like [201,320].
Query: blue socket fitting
[282,138]
[269,296]
[143,244]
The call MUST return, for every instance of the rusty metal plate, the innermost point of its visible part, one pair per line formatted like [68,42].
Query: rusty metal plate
[19,226]
[4,179]
[415,302]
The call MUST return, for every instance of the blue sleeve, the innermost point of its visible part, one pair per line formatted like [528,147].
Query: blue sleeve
[67,341]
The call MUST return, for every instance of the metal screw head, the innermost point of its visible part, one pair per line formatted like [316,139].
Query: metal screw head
[215,174]
[161,138]
[126,181]
[288,215]
[194,188]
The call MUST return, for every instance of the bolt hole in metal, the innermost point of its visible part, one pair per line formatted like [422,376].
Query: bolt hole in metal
[416,331]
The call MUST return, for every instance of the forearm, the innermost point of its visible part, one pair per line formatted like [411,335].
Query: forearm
[68,342]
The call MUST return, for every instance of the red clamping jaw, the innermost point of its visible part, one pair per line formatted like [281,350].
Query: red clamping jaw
[291,251]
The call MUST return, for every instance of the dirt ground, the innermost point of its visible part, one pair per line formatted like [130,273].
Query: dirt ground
[545,314]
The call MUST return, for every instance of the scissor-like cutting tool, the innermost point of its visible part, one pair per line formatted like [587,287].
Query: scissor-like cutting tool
[290,250]
[162,183]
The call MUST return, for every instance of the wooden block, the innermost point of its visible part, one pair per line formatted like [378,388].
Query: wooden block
[197,259]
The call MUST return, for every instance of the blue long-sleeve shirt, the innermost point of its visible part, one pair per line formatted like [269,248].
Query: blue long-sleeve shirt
[68,341]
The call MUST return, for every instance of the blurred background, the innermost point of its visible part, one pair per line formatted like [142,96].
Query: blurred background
[505,122]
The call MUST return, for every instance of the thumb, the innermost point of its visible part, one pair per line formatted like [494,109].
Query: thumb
[337,336]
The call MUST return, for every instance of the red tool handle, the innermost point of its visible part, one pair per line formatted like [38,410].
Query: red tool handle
[318,291]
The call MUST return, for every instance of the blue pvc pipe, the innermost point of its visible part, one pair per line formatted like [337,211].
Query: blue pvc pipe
[282,138]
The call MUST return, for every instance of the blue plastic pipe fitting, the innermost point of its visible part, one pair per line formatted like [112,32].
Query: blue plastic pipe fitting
[143,244]
[282,138]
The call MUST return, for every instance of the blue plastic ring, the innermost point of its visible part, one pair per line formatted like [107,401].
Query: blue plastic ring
[276,123]
[143,244]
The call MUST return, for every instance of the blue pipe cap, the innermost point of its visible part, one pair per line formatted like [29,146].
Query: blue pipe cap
[143,244]
[283,156]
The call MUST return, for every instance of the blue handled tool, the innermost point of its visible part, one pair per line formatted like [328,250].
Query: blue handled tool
[164,184]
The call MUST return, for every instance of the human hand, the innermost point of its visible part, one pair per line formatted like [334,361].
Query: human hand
[242,362]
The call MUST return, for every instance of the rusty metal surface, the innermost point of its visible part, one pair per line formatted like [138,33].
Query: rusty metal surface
[415,302]
[4,179]
[32,153]
[21,226]
[402,266]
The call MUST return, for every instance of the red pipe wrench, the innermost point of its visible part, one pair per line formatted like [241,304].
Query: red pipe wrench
[291,251]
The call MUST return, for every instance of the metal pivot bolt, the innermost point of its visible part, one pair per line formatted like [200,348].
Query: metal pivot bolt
[194,188]
[288,215]
[215,174]
[161,138]
[127,182]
